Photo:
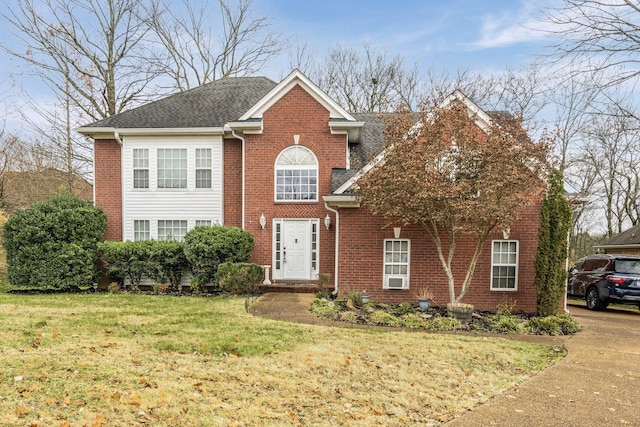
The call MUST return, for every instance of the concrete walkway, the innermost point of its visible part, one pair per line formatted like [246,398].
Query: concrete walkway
[597,384]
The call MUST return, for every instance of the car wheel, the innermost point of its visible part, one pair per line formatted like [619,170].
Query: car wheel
[593,299]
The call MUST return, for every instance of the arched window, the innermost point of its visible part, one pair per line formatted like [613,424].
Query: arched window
[297,175]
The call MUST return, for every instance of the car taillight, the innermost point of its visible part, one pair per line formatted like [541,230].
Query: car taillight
[616,280]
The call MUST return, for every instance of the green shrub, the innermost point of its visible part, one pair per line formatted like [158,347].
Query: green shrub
[239,278]
[383,318]
[197,286]
[126,260]
[443,324]
[208,247]
[53,243]
[506,324]
[412,320]
[325,309]
[405,308]
[166,262]
[562,324]
[349,316]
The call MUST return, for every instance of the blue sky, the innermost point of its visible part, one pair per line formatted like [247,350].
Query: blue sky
[484,35]
[480,35]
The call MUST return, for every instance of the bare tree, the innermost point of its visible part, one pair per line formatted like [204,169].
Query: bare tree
[611,157]
[595,36]
[92,50]
[368,80]
[521,93]
[199,45]
[574,103]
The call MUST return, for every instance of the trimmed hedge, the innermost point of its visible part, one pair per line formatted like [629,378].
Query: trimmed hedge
[125,261]
[208,247]
[239,278]
[167,262]
[162,261]
[53,243]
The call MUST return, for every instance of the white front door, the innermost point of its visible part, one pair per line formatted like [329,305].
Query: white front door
[295,245]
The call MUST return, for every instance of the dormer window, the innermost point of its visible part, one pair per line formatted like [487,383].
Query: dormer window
[297,175]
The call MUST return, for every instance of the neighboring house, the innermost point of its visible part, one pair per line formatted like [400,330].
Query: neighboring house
[281,160]
[19,189]
[626,243]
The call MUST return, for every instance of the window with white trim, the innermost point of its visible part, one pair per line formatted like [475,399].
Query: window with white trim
[171,229]
[396,263]
[140,168]
[172,168]
[504,265]
[203,167]
[206,222]
[141,230]
[296,175]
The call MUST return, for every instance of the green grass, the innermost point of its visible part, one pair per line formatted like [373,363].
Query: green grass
[125,359]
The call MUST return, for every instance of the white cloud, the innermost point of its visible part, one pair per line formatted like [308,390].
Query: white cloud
[513,28]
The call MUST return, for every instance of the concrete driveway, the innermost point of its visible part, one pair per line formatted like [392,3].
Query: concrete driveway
[597,384]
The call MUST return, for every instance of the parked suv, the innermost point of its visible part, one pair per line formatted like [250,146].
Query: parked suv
[605,279]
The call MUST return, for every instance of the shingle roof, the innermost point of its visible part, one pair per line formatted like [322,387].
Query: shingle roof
[370,145]
[209,105]
[628,237]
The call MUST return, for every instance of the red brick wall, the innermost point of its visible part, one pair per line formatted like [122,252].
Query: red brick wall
[232,182]
[361,262]
[296,113]
[108,184]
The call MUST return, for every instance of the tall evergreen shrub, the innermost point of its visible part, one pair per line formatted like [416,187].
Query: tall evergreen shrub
[555,221]
[208,247]
[53,243]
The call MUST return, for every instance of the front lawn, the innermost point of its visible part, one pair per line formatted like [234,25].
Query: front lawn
[124,359]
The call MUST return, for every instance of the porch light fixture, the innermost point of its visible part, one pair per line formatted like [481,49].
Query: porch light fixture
[327,221]
[263,221]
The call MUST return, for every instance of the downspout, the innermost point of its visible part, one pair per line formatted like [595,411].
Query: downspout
[241,138]
[116,135]
[335,274]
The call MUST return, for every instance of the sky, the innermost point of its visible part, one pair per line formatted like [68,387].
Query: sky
[451,35]
[488,35]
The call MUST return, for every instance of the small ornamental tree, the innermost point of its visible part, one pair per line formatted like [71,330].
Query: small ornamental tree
[555,222]
[53,243]
[452,173]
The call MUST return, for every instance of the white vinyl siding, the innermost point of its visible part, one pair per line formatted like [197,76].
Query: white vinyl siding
[504,265]
[189,204]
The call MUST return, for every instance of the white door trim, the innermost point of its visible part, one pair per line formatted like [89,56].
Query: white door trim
[295,248]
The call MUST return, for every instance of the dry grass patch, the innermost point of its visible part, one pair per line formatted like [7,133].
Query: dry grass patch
[113,360]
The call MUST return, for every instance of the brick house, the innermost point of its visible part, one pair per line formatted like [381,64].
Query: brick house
[280,160]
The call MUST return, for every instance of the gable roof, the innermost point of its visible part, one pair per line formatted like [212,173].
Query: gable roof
[211,105]
[296,77]
[482,119]
[628,238]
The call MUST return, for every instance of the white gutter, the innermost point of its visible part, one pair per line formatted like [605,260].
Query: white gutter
[241,138]
[100,131]
[335,274]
